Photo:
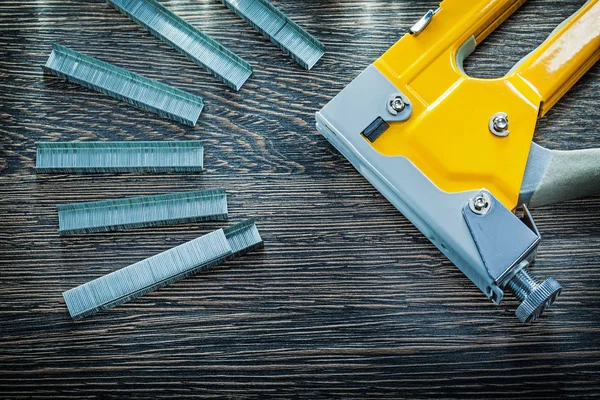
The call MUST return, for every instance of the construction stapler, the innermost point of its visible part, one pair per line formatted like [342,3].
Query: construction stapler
[454,153]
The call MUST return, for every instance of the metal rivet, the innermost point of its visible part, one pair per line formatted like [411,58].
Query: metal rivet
[480,204]
[499,124]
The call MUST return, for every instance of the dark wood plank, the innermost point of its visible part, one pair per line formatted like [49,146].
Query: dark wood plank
[347,299]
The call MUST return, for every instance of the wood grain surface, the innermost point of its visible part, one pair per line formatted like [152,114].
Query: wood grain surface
[347,300]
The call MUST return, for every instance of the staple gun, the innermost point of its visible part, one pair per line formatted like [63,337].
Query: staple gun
[454,153]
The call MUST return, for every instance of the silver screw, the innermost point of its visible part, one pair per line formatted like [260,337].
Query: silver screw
[499,124]
[480,204]
[535,297]
[398,104]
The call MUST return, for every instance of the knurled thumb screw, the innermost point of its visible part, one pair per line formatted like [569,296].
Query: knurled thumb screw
[535,297]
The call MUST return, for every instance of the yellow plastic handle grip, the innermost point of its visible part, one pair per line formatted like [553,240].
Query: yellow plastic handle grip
[570,51]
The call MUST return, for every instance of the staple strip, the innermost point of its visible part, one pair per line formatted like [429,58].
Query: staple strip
[150,274]
[120,214]
[186,39]
[121,84]
[304,48]
[155,272]
[243,238]
[133,156]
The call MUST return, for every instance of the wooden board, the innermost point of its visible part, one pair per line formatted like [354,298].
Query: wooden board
[347,300]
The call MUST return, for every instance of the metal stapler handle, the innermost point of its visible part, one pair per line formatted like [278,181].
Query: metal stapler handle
[553,176]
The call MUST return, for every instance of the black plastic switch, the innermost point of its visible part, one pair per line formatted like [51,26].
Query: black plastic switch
[375,129]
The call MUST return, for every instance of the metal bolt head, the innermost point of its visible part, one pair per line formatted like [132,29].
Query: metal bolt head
[397,103]
[480,204]
[499,124]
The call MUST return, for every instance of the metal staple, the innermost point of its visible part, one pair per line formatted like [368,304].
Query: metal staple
[121,84]
[305,49]
[131,156]
[162,269]
[119,214]
[187,40]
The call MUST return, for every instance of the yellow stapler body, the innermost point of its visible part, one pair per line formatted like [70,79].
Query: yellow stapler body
[454,153]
